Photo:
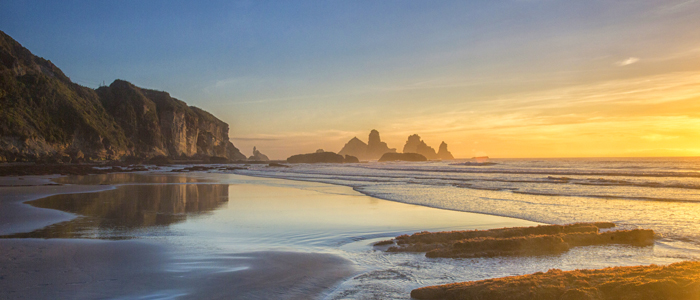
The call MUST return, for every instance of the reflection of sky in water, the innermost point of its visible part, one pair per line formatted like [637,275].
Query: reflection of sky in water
[244,214]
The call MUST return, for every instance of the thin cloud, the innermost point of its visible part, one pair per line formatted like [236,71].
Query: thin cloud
[627,62]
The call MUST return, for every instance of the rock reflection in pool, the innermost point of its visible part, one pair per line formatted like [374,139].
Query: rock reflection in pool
[126,178]
[128,210]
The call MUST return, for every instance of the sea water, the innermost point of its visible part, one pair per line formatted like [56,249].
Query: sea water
[662,194]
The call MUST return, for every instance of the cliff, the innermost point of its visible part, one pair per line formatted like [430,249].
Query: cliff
[374,149]
[415,145]
[45,116]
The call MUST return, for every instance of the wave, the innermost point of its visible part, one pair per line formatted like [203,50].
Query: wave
[544,172]
[611,197]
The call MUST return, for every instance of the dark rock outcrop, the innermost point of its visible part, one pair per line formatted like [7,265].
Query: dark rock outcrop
[374,149]
[675,281]
[258,156]
[354,147]
[443,153]
[349,159]
[317,157]
[415,145]
[45,115]
[402,157]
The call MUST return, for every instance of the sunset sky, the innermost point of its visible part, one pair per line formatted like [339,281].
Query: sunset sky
[519,78]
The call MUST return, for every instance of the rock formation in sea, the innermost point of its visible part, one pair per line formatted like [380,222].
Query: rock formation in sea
[443,153]
[258,156]
[402,157]
[319,156]
[45,116]
[415,145]
[354,147]
[374,149]
[350,159]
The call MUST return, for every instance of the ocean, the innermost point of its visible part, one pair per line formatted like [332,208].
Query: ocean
[662,194]
[213,222]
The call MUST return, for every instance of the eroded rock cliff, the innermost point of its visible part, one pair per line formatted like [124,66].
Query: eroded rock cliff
[45,116]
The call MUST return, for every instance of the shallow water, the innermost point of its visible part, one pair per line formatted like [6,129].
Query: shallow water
[237,214]
[662,194]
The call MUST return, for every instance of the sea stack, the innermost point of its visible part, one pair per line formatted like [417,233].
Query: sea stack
[415,145]
[258,156]
[374,149]
[443,153]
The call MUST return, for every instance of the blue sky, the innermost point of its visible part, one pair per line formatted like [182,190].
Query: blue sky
[487,77]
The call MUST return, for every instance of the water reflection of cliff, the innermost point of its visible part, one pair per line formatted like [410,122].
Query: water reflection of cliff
[121,178]
[128,210]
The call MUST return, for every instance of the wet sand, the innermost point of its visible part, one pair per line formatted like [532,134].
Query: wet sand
[89,269]
[262,238]
[15,216]
[92,269]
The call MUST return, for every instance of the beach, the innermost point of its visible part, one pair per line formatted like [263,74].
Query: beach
[284,253]
[214,234]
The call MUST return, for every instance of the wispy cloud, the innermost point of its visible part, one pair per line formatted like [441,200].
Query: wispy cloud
[627,62]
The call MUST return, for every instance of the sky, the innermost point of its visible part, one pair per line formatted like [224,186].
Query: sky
[518,78]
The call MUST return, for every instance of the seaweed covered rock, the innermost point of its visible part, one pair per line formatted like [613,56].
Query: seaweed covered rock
[517,241]
[679,281]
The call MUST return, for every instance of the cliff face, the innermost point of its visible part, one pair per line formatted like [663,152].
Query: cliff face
[45,115]
[374,149]
[157,124]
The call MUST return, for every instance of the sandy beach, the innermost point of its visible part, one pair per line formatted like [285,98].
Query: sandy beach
[200,235]
[90,269]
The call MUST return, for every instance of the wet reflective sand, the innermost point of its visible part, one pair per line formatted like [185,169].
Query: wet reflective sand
[207,232]
[119,213]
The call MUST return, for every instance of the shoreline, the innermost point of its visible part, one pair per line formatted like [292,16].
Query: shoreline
[94,268]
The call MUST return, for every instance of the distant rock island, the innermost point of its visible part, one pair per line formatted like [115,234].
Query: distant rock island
[45,116]
[320,156]
[258,156]
[402,157]
[414,144]
[374,149]
[443,153]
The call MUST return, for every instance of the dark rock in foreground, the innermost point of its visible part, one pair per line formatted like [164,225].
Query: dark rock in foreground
[402,157]
[318,157]
[519,241]
[679,281]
